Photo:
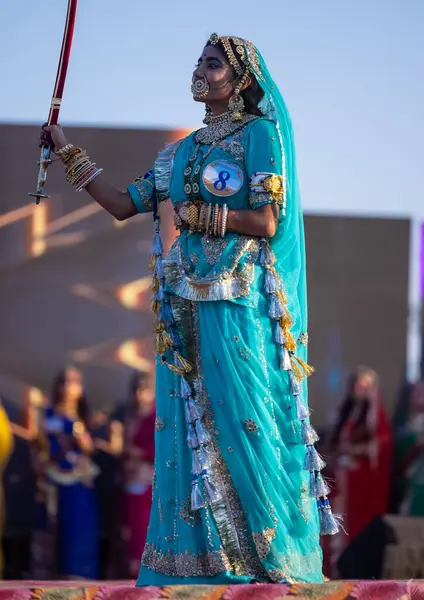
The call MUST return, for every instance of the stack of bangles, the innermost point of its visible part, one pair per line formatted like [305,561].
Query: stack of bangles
[80,171]
[208,218]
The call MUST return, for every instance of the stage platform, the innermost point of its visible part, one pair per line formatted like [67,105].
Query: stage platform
[336,590]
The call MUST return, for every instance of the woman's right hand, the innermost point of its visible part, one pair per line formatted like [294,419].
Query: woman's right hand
[52,135]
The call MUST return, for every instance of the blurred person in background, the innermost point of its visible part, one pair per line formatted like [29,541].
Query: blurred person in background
[6,448]
[65,448]
[30,547]
[410,455]
[107,436]
[361,453]
[138,418]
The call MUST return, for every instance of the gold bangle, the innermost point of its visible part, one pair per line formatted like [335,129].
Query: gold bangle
[65,149]
[208,218]
[76,165]
[215,219]
[193,216]
[69,155]
[76,174]
[224,218]
[202,217]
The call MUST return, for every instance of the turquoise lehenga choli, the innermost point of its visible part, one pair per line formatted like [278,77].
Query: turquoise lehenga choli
[237,494]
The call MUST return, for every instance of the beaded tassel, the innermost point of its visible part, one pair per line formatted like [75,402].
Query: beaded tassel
[163,341]
[192,440]
[181,363]
[301,409]
[276,308]
[297,370]
[196,467]
[321,486]
[309,435]
[313,461]
[211,491]
[157,247]
[202,435]
[266,256]
[295,388]
[185,388]
[271,284]
[285,362]
[165,314]
[176,340]
[303,366]
[279,337]
[203,457]
[329,523]
[197,501]
[193,412]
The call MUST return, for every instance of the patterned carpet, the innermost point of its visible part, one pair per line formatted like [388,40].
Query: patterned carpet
[336,590]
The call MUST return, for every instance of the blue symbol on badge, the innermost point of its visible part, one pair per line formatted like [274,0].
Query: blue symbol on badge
[221,183]
[223,178]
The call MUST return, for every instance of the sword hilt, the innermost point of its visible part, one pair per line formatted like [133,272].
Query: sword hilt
[43,163]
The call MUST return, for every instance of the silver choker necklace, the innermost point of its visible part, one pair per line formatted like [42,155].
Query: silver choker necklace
[219,127]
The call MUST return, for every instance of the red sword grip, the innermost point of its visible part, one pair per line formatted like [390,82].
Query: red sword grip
[62,69]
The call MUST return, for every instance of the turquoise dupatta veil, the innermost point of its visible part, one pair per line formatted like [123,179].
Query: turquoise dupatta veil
[289,261]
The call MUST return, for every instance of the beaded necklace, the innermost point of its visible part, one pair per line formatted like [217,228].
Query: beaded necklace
[221,124]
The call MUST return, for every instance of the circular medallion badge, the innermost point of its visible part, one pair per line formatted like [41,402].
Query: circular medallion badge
[222,178]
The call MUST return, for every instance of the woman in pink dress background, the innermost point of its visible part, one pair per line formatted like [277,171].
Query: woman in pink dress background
[138,456]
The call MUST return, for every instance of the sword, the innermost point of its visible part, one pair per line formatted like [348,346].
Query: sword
[46,150]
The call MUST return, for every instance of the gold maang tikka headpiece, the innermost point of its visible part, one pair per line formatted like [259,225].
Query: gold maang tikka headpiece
[236,103]
[246,51]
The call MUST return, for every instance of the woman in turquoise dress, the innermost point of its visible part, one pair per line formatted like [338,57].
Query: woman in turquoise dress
[238,495]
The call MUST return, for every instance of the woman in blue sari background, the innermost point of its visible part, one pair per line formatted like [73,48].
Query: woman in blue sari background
[238,494]
[69,475]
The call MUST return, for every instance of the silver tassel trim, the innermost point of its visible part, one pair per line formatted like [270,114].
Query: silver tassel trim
[319,487]
[313,461]
[309,435]
[157,247]
[165,314]
[201,433]
[266,256]
[192,440]
[295,387]
[176,340]
[197,501]
[276,308]
[271,284]
[185,388]
[158,297]
[203,457]
[162,170]
[211,490]
[285,362]
[196,467]
[193,412]
[329,523]
[301,409]
[159,268]
[279,337]
[180,284]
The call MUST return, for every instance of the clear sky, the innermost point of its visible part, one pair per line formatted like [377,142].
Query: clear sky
[351,71]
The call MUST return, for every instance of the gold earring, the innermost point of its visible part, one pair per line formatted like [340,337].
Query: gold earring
[236,107]
[236,102]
